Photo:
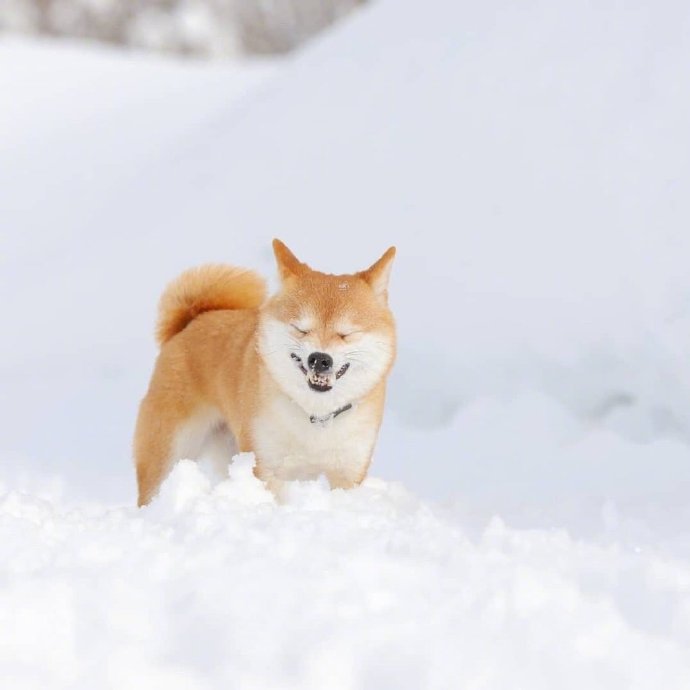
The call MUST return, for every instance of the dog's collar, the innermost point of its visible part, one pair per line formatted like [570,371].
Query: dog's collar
[315,419]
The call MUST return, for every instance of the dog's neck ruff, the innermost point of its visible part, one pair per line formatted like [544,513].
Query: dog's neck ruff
[315,419]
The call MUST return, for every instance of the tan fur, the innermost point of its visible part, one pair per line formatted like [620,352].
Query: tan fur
[206,288]
[216,371]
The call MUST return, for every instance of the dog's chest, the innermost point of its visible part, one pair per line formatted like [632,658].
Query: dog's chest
[289,446]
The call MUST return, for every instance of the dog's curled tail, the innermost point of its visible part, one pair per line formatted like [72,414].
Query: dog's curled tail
[206,288]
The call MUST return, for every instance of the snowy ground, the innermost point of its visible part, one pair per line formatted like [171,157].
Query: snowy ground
[362,589]
[531,165]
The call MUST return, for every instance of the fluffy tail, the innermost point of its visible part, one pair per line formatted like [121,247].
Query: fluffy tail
[206,288]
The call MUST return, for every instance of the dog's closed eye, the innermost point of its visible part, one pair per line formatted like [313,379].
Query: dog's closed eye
[299,330]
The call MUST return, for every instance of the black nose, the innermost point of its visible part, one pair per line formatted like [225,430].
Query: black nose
[319,362]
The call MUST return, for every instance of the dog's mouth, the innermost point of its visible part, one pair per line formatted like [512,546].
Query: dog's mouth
[321,383]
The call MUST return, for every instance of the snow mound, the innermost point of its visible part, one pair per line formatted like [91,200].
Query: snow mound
[220,586]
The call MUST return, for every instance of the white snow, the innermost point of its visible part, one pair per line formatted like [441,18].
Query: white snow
[370,588]
[531,163]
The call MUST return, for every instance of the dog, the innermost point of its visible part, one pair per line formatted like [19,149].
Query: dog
[299,379]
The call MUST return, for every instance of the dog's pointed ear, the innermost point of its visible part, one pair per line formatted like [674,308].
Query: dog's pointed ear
[288,264]
[377,275]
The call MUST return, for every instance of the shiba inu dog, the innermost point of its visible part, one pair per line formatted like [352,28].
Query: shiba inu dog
[299,378]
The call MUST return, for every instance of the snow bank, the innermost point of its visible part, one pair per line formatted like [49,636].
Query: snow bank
[221,587]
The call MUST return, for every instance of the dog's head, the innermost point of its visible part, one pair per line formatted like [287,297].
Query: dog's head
[328,340]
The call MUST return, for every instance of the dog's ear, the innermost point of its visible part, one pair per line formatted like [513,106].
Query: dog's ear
[378,273]
[288,264]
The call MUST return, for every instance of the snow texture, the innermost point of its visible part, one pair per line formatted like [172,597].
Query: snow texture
[531,164]
[370,588]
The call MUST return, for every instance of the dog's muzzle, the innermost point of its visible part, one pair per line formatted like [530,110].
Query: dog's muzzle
[320,373]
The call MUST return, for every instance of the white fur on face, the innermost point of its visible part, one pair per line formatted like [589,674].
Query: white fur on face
[369,354]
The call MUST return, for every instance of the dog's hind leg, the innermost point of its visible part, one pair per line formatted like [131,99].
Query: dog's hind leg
[217,451]
[166,431]
[156,429]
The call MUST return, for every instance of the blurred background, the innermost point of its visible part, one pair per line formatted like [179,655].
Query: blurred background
[530,161]
[202,28]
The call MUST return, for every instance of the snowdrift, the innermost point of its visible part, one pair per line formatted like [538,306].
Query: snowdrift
[221,587]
